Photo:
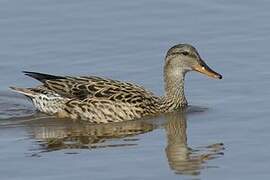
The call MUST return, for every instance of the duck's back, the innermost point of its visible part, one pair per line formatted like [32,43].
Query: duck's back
[97,99]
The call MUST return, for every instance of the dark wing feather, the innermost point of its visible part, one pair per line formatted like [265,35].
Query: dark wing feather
[42,77]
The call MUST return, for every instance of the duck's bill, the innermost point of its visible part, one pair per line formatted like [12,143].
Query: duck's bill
[204,69]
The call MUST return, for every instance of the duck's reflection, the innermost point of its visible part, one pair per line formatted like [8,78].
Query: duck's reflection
[181,158]
[56,134]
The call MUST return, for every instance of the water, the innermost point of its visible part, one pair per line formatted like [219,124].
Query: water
[223,135]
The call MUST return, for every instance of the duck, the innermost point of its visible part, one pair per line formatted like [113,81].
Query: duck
[103,100]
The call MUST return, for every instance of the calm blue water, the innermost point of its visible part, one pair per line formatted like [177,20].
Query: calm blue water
[225,133]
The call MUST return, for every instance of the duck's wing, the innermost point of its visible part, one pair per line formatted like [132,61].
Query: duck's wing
[91,86]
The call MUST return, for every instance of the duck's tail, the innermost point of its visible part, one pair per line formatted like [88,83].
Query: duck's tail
[25,91]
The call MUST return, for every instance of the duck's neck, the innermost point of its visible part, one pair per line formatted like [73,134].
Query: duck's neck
[174,90]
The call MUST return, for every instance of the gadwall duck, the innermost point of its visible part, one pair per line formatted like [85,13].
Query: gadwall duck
[102,100]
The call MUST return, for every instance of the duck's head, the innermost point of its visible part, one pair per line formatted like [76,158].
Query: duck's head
[182,58]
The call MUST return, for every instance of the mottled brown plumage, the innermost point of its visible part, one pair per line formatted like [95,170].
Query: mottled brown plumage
[102,100]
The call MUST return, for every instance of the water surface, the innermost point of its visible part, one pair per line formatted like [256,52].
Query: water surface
[223,135]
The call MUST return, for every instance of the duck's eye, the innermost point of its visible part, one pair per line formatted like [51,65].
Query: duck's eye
[185,53]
